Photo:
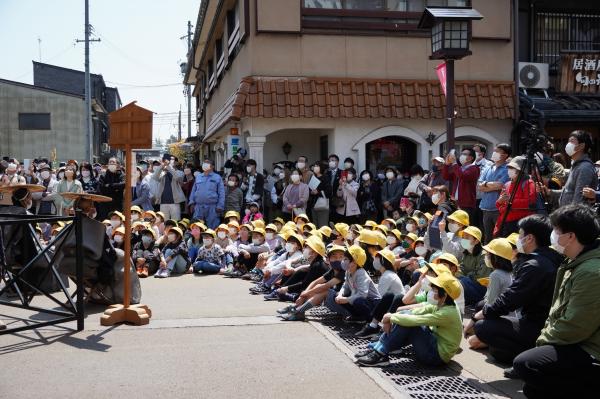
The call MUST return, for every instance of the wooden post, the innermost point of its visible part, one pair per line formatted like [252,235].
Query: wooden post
[127,134]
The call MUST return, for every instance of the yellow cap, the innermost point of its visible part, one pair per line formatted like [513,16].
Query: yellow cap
[285,233]
[358,255]
[258,224]
[437,268]
[326,231]
[315,233]
[303,217]
[396,233]
[232,214]
[209,232]
[473,232]
[149,214]
[429,216]
[500,247]
[259,230]
[120,230]
[449,283]
[371,224]
[137,209]
[177,230]
[233,223]
[118,214]
[271,227]
[137,224]
[334,248]
[223,227]
[447,257]
[342,229]
[201,226]
[390,221]
[387,254]
[460,216]
[149,230]
[247,226]
[162,215]
[513,239]
[309,226]
[381,239]
[316,244]
[278,220]
[485,281]
[297,237]
[383,228]
[368,237]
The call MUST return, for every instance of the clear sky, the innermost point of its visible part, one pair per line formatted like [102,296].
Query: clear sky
[140,46]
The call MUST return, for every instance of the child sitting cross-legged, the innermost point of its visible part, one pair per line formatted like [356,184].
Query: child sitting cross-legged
[210,257]
[173,255]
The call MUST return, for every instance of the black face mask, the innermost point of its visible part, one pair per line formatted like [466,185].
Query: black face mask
[336,265]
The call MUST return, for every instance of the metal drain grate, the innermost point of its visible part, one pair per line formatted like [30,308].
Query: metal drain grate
[408,375]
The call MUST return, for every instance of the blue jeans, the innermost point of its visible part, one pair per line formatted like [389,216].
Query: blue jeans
[208,213]
[176,265]
[206,267]
[423,340]
[474,292]
[362,307]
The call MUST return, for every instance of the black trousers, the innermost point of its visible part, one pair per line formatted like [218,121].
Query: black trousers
[558,371]
[302,278]
[388,304]
[507,336]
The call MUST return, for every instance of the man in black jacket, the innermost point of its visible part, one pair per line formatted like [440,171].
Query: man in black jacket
[112,185]
[253,184]
[529,295]
[333,176]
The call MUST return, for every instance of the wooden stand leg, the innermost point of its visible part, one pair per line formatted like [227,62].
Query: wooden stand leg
[134,314]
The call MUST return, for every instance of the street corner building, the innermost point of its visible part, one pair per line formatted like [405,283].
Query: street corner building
[284,78]
[47,118]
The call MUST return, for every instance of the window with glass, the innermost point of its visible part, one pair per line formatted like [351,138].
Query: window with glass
[384,15]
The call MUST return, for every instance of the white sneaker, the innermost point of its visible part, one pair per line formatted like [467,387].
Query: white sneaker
[161,273]
[2,326]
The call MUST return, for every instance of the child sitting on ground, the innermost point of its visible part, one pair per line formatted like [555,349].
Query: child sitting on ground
[210,258]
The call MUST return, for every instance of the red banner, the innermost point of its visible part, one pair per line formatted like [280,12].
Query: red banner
[441,74]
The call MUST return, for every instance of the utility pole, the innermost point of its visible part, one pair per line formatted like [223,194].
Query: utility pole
[188,89]
[89,151]
[179,125]
[40,48]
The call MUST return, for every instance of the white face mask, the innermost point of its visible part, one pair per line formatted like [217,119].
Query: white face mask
[230,183]
[276,171]
[118,238]
[45,174]
[233,231]
[256,241]
[520,248]
[147,240]
[282,175]
[115,223]
[411,227]
[512,173]
[554,237]
[249,169]
[390,240]
[421,250]
[295,178]
[300,165]
[349,237]
[377,265]
[389,175]
[332,164]
[366,177]
[496,156]
[348,165]
[207,242]
[222,235]
[307,253]
[172,237]
[85,173]
[466,244]
[463,159]
[205,166]
[350,177]
[135,216]
[435,198]
[570,149]
[453,227]
[112,168]
[290,248]
[431,298]
[269,236]
[317,169]
[425,285]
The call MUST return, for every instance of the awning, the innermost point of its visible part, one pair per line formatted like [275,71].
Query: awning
[560,108]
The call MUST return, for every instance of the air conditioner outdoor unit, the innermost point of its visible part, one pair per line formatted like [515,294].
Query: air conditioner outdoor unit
[533,75]
[105,148]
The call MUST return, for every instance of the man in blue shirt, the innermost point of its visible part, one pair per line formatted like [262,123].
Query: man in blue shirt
[207,199]
[490,184]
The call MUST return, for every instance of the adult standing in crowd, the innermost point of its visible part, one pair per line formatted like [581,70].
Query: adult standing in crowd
[207,199]
[369,197]
[87,177]
[333,175]
[302,166]
[111,184]
[483,163]
[45,199]
[582,174]
[253,184]
[9,177]
[430,180]
[391,191]
[349,210]
[68,184]
[568,347]
[320,217]
[140,191]
[170,194]
[490,184]
[295,196]
[463,177]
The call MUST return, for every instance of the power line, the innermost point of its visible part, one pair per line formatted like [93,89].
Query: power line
[128,85]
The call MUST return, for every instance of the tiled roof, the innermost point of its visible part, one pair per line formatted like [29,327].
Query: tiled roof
[293,97]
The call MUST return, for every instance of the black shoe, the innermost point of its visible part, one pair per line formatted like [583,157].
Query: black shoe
[374,359]
[294,317]
[287,309]
[511,373]
[363,353]
[354,320]
[368,332]
[273,296]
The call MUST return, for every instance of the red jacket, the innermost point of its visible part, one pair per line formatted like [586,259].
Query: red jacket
[466,180]
[523,204]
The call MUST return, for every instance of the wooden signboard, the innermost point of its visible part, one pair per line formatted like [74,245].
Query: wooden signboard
[580,72]
[130,128]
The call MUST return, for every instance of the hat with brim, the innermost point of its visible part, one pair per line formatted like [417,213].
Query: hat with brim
[449,283]
[388,255]
[151,231]
[117,214]
[86,196]
[439,159]
[32,188]
[517,162]
[334,248]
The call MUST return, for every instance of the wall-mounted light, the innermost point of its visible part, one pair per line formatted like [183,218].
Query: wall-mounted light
[287,149]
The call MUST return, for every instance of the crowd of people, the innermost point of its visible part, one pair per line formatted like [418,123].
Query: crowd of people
[467,250]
